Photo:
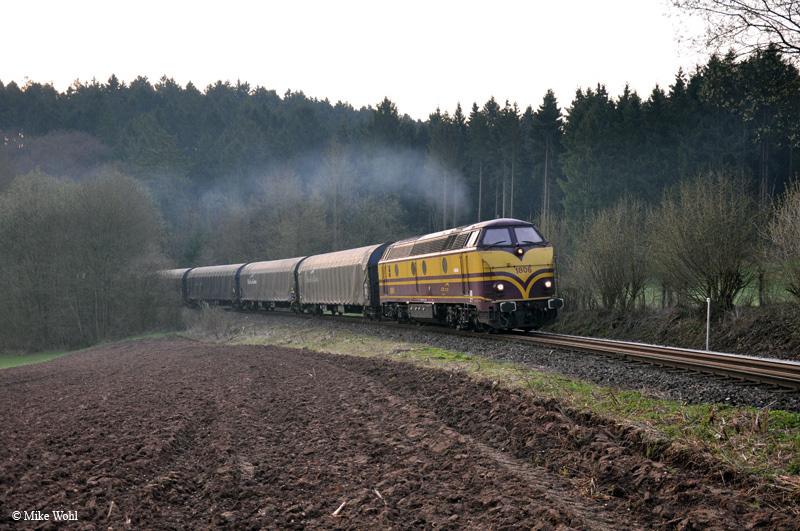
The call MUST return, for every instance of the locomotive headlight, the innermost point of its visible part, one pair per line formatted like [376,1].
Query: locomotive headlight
[499,287]
[520,251]
[548,284]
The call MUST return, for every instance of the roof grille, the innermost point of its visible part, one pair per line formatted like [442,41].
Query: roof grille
[455,240]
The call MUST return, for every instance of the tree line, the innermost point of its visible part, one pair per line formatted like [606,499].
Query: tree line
[235,173]
[490,160]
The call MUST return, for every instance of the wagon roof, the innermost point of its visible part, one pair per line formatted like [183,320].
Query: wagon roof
[214,271]
[358,256]
[271,266]
[174,273]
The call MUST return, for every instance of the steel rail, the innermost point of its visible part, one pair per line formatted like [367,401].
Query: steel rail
[782,374]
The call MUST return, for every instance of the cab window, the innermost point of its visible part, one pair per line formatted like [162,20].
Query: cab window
[473,238]
[496,237]
[528,236]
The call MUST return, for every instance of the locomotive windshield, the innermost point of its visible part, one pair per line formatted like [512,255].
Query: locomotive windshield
[495,237]
[511,236]
[528,236]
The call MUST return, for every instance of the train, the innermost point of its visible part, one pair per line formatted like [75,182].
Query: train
[490,276]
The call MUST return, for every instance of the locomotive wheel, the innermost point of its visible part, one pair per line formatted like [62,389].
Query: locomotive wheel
[484,328]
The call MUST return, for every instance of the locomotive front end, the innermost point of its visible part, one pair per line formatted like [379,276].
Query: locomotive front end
[518,280]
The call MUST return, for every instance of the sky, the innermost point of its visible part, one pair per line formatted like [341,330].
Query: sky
[422,55]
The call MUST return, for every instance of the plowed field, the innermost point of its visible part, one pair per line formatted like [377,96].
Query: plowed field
[177,434]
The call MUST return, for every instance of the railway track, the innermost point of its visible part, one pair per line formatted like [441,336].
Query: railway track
[776,375]
[780,375]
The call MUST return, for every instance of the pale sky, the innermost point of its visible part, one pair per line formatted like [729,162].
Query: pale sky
[420,54]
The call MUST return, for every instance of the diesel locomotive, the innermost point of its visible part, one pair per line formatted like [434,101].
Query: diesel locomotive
[492,275]
[488,276]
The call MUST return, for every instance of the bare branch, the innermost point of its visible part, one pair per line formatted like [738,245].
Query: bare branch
[748,25]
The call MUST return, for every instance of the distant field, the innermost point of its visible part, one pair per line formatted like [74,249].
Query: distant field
[774,291]
[15,360]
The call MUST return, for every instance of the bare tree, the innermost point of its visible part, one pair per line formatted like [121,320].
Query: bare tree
[114,232]
[338,185]
[79,261]
[31,238]
[611,256]
[704,239]
[784,233]
[748,25]
[276,206]
[72,154]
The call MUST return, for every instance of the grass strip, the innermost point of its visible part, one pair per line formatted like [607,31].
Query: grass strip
[16,359]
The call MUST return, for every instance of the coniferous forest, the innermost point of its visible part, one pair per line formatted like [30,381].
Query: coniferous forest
[234,173]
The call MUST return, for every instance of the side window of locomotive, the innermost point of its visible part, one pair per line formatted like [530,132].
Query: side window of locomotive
[496,237]
[473,238]
[528,236]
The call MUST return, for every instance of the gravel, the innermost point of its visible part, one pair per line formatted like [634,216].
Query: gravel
[651,381]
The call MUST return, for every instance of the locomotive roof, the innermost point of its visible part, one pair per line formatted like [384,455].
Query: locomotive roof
[465,228]
[497,222]
[446,240]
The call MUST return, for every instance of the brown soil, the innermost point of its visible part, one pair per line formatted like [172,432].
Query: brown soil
[176,434]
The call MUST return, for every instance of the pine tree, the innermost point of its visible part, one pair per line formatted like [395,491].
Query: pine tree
[546,133]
